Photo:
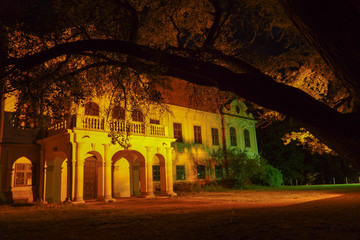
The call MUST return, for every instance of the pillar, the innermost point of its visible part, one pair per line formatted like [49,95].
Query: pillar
[169,171]
[69,180]
[44,184]
[79,174]
[107,177]
[149,174]
[42,178]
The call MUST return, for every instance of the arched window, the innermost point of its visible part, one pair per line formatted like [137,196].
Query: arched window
[247,138]
[118,113]
[22,172]
[137,116]
[92,109]
[233,136]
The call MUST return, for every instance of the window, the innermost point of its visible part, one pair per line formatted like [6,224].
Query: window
[92,109]
[200,171]
[156,172]
[215,136]
[155,121]
[180,172]
[197,134]
[118,113]
[137,116]
[218,172]
[233,137]
[23,174]
[247,138]
[178,132]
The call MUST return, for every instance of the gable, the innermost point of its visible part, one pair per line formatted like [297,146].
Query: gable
[237,108]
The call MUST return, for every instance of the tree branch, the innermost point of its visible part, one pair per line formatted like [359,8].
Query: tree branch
[249,82]
[215,26]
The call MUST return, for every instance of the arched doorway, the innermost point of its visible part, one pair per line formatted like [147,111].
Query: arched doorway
[159,172]
[121,178]
[21,180]
[56,179]
[135,186]
[90,178]
[132,167]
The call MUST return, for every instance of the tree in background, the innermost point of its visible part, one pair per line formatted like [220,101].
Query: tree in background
[306,161]
[206,43]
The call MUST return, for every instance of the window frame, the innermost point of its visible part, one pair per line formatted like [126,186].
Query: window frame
[233,138]
[182,176]
[92,109]
[178,132]
[219,172]
[120,111]
[197,134]
[247,139]
[137,116]
[156,169]
[154,121]
[215,136]
[201,174]
[26,177]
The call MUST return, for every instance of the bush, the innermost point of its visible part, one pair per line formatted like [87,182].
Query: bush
[274,177]
[244,170]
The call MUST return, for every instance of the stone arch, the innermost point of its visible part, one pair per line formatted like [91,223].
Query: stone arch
[118,113]
[57,178]
[136,170]
[22,180]
[93,176]
[160,160]
[121,178]
[92,109]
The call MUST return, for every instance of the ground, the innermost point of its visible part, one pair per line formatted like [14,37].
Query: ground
[284,213]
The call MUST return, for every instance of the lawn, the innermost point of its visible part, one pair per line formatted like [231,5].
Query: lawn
[304,212]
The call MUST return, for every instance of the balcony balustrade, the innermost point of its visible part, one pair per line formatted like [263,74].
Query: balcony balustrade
[100,124]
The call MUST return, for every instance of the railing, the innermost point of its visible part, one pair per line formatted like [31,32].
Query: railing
[157,130]
[58,127]
[94,123]
[98,123]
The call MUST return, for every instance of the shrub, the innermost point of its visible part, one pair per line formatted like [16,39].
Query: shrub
[273,176]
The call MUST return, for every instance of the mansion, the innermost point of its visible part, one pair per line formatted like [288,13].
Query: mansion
[78,160]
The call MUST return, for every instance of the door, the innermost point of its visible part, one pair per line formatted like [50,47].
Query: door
[90,182]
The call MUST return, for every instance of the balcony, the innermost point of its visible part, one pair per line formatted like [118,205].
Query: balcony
[100,124]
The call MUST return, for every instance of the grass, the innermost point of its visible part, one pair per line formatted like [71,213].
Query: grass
[219,188]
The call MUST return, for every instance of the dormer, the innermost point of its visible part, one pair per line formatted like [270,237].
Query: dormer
[236,107]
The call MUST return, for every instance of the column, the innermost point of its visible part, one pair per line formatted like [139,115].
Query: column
[79,174]
[42,178]
[169,171]
[69,180]
[107,177]
[44,184]
[149,174]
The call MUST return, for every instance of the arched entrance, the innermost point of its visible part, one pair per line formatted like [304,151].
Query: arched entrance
[56,179]
[21,180]
[128,173]
[121,178]
[135,186]
[159,172]
[93,175]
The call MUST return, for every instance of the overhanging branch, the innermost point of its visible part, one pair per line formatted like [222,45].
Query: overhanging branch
[251,83]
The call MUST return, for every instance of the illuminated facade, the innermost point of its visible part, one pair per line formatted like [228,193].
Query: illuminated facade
[78,161]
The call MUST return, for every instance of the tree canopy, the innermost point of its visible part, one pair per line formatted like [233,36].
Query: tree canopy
[250,48]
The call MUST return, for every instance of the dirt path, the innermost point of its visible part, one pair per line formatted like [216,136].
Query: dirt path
[236,215]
